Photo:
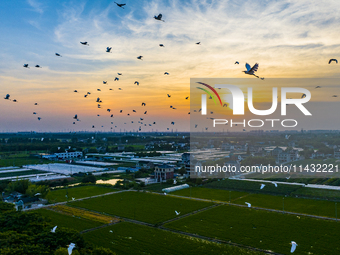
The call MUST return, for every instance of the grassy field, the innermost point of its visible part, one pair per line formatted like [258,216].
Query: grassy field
[20,173]
[265,230]
[67,221]
[129,238]
[212,194]
[157,187]
[151,208]
[318,193]
[254,187]
[291,204]
[59,195]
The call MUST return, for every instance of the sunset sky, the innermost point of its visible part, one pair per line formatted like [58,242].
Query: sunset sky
[287,38]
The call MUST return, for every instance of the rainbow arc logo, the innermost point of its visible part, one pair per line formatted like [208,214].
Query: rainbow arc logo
[209,93]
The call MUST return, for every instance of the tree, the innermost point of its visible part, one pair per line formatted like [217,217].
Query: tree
[35,189]
[89,178]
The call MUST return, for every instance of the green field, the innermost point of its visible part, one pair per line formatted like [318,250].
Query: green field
[211,194]
[157,187]
[66,221]
[291,204]
[318,193]
[129,238]
[59,195]
[265,230]
[252,186]
[20,173]
[147,207]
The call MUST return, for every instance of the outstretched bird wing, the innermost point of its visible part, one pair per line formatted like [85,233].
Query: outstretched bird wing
[248,66]
[254,68]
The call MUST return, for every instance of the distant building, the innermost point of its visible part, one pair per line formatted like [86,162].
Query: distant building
[69,155]
[337,153]
[164,172]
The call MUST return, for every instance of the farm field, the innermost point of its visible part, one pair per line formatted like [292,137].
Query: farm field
[67,221]
[59,195]
[129,238]
[291,204]
[146,207]
[254,187]
[318,193]
[263,229]
[212,194]
[20,173]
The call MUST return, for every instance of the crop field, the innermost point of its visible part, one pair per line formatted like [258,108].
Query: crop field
[146,207]
[318,193]
[129,238]
[212,194]
[263,229]
[254,187]
[291,204]
[20,173]
[67,221]
[59,195]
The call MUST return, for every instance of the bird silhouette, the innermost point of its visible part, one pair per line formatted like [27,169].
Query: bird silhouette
[120,5]
[58,55]
[108,49]
[25,65]
[159,17]
[251,70]
[161,45]
[85,43]
[332,59]
[140,57]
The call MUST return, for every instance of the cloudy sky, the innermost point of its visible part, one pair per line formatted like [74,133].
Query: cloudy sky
[287,39]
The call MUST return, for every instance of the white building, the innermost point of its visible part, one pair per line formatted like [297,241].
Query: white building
[68,155]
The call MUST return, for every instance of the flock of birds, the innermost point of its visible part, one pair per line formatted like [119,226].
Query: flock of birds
[249,71]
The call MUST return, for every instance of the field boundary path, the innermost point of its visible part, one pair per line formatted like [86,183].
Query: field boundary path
[79,199]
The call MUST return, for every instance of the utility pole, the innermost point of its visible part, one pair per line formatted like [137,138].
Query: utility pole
[283,205]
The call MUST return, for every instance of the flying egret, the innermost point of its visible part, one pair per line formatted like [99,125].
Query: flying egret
[143,104]
[262,186]
[37,194]
[58,55]
[73,198]
[237,63]
[169,96]
[275,184]
[70,248]
[186,97]
[120,5]
[108,49]
[116,79]
[251,70]
[293,244]
[332,59]
[140,57]
[85,43]
[161,45]
[177,213]
[104,82]
[25,65]
[287,136]
[249,204]
[166,73]
[159,17]
[172,123]
[39,118]
[7,97]
[198,43]
[53,229]
[136,82]
[164,193]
